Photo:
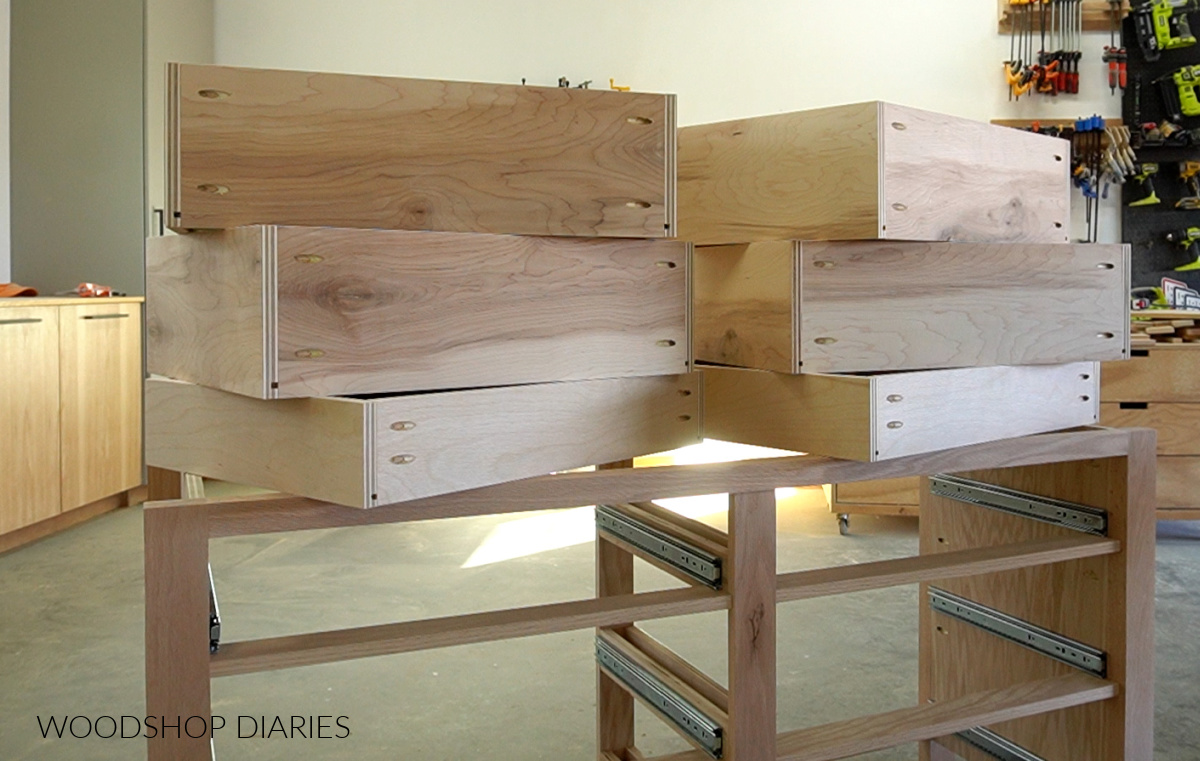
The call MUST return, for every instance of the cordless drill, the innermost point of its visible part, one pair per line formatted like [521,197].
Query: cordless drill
[1145,180]
[1186,239]
[1188,174]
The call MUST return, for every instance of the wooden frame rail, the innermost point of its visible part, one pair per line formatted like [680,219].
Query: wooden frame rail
[179,666]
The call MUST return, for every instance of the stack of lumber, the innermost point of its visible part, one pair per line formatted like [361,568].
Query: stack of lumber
[872,281]
[385,289]
[1164,326]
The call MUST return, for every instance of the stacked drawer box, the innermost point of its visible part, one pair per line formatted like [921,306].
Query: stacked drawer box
[873,281]
[388,289]
[1160,388]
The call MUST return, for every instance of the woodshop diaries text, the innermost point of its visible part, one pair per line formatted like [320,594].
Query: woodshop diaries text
[152,727]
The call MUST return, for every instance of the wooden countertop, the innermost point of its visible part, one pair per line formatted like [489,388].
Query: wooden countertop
[65,301]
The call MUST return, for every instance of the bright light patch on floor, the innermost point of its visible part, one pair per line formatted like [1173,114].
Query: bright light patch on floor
[555,530]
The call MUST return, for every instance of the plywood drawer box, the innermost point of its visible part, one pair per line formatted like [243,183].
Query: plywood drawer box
[838,307]
[885,416]
[1169,373]
[299,311]
[381,450]
[867,171]
[258,146]
[1178,483]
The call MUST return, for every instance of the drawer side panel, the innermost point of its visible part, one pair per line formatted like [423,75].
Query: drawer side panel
[943,409]
[432,444]
[257,146]
[370,311]
[876,306]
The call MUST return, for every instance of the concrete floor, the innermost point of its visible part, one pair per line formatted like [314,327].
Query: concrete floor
[71,637]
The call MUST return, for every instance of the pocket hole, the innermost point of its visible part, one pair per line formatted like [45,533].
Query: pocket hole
[1085,376]
[404,425]
[638,204]
[1058,158]
[825,265]
[941,540]
[825,340]
[217,190]
[309,258]
[895,424]
[1058,225]
[667,265]
[310,354]
[895,398]
[1105,266]
[1105,335]
[684,418]
[684,392]
[900,126]
[639,120]
[403,459]
[1085,398]
[899,207]
[666,342]
[213,94]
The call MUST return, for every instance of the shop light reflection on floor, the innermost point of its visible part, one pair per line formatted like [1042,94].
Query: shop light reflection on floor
[555,529]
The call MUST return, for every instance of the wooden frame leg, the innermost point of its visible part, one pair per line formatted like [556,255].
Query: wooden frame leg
[177,656]
[614,706]
[751,583]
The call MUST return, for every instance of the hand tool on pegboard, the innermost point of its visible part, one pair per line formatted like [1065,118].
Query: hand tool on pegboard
[1144,176]
[1188,175]
[1179,92]
[1187,239]
[1115,54]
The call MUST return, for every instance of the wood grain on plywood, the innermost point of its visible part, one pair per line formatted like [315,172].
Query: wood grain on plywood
[941,409]
[29,418]
[462,440]
[251,146]
[1157,375]
[206,308]
[751,586]
[1080,599]
[744,305]
[881,305]
[366,311]
[830,415]
[1178,482]
[948,178]
[294,312]
[1177,424]
[313,447]
[813,174]
[897,414]
[100,350]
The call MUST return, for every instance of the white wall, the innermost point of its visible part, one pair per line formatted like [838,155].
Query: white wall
[724,58]
[5,193]
[177,31]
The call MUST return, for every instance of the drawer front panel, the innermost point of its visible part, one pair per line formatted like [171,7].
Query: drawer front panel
[1179,482]
[1154,375]
[364,311]
[878,306]
[889,491]
[1178,425]
[255,146]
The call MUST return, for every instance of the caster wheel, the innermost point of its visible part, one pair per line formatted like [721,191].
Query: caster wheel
[843,524]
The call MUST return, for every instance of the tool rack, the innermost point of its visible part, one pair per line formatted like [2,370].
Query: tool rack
[1052,535]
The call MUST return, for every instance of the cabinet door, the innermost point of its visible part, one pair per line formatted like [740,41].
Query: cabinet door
[101,374]
[29,434]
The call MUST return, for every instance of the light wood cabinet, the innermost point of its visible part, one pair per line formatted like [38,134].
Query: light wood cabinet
[100,400]
[29,431]
[70,412]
